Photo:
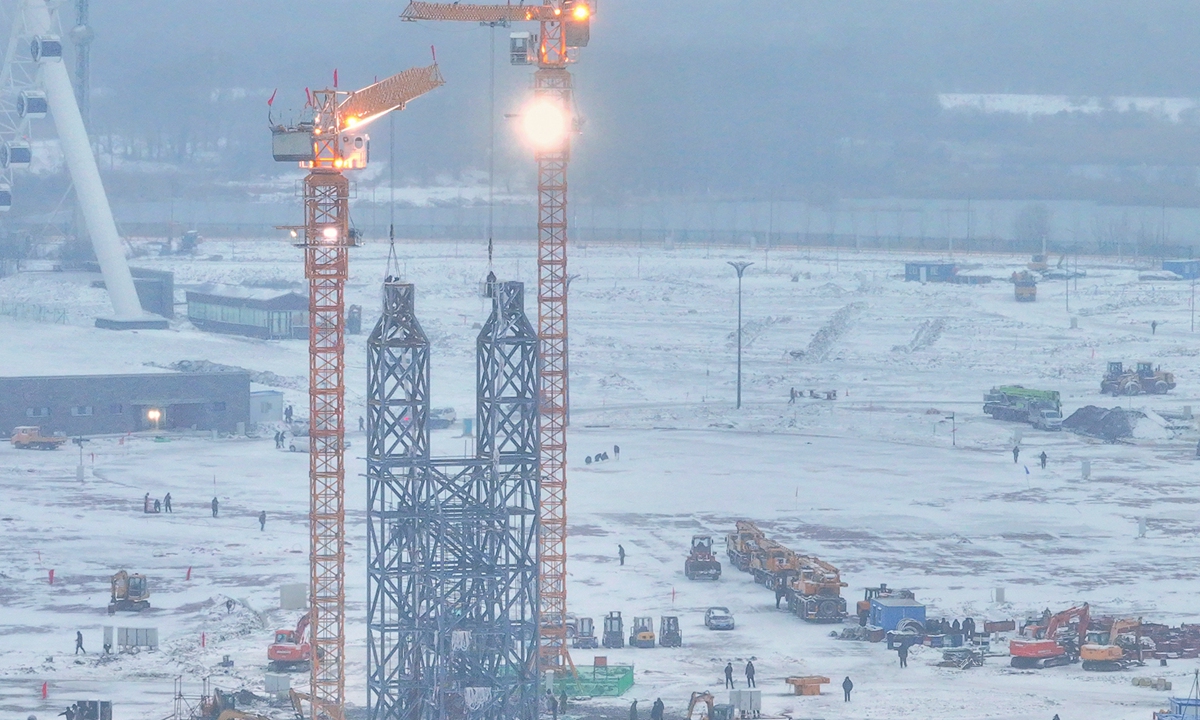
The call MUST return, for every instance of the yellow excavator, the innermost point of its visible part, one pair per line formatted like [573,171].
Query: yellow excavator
[1114,649]
[712,712]
[129,592]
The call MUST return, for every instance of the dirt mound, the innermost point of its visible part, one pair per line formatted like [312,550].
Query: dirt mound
[1106,424]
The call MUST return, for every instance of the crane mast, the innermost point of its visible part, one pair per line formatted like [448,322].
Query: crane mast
[565,25]
[327,143]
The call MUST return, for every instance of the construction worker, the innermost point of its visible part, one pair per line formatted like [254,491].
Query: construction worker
[657,710]
[287,414]
[214,506]
[79,643]
[551,704]
[362,426]
[146,503]
[792,397]
[1153,327]
[157,506]
[750,673]
[1043,458]
[262,520]
[621,554]
[167,502]
[1016,453]
[729,675]
[969,628]
[562,702]
[847,686]
[617,451]
[902,651]
[633,711]
[780,592]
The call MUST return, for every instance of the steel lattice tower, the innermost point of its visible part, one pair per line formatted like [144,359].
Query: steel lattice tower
[452,543]
[326,245]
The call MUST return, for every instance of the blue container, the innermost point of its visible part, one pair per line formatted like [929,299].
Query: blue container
[887,612]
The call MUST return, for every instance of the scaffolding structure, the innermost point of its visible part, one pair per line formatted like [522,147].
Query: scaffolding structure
[452,624]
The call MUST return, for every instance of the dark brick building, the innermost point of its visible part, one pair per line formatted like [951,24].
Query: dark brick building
[105,404]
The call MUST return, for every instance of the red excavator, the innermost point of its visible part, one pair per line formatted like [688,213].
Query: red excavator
[1056,642]
[291,650]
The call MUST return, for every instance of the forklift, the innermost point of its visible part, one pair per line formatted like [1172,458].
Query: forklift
[669,634]
[614,630]
[585,635]
[641,634]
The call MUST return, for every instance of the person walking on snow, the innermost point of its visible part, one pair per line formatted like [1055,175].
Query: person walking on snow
[262,520]
[657,710]
[1016,453]
[750,674]
[1153,327]
[214,506]
[621,554]
[287,414]
[847,686]
[633,711]
[1043,458]
[792,397]
[167,503]
[729,675]
[79,643]
[362,427]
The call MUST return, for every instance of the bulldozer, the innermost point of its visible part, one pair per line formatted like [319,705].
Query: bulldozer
[1024,286]
[701,563]
[1116,648]
[1045,646]
[641,632]
[1119,380]
[669,634]
[711,711]
[291,649]
[614,631]
[130,593]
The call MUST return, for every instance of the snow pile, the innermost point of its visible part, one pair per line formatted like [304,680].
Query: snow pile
[824,339]
[926,335]
[1098,422]
[265,377]
[1152,426]
[753,329]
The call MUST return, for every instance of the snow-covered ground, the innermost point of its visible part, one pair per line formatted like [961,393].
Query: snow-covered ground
[871,481]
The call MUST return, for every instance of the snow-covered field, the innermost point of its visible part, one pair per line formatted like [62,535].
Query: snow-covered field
[870,481]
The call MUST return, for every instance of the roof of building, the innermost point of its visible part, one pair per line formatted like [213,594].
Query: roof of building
[897,602]
[243,293]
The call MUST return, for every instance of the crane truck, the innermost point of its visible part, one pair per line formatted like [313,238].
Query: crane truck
[1040,408]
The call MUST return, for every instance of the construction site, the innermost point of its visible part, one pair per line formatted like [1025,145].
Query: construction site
[382,478]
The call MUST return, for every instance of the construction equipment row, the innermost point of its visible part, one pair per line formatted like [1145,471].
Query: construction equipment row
[641,633]
[1144,380]
[813,587]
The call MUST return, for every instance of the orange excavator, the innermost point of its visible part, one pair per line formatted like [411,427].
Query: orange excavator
[291,650]
[1054,643]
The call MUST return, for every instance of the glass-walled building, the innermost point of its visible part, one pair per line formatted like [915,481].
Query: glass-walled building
[260,313]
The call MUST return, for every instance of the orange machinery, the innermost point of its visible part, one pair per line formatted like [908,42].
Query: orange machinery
[1056,643]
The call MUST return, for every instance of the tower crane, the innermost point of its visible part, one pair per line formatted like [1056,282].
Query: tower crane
[564,26]
[327,141]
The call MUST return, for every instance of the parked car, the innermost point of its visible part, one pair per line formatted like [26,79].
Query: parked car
[718,618]
[442,418]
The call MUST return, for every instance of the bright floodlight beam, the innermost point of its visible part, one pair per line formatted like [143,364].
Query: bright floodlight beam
[544,123]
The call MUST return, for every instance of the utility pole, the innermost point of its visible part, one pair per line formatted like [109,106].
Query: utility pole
[740,266]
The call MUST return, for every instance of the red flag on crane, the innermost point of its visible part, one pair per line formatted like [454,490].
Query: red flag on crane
[271,100]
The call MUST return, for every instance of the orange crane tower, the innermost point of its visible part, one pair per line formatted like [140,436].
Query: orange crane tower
[328,142]
[565,25]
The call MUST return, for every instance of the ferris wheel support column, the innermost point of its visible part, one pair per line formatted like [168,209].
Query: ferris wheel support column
[72,135]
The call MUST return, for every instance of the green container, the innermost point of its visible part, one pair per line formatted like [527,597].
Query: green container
[590,681]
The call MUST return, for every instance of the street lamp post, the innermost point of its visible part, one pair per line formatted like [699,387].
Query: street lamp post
[740,266]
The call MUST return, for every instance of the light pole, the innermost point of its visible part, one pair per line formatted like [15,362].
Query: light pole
[740,266]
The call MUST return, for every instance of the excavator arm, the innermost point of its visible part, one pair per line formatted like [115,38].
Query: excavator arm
[479,13]
[393,93]
[1065,617]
